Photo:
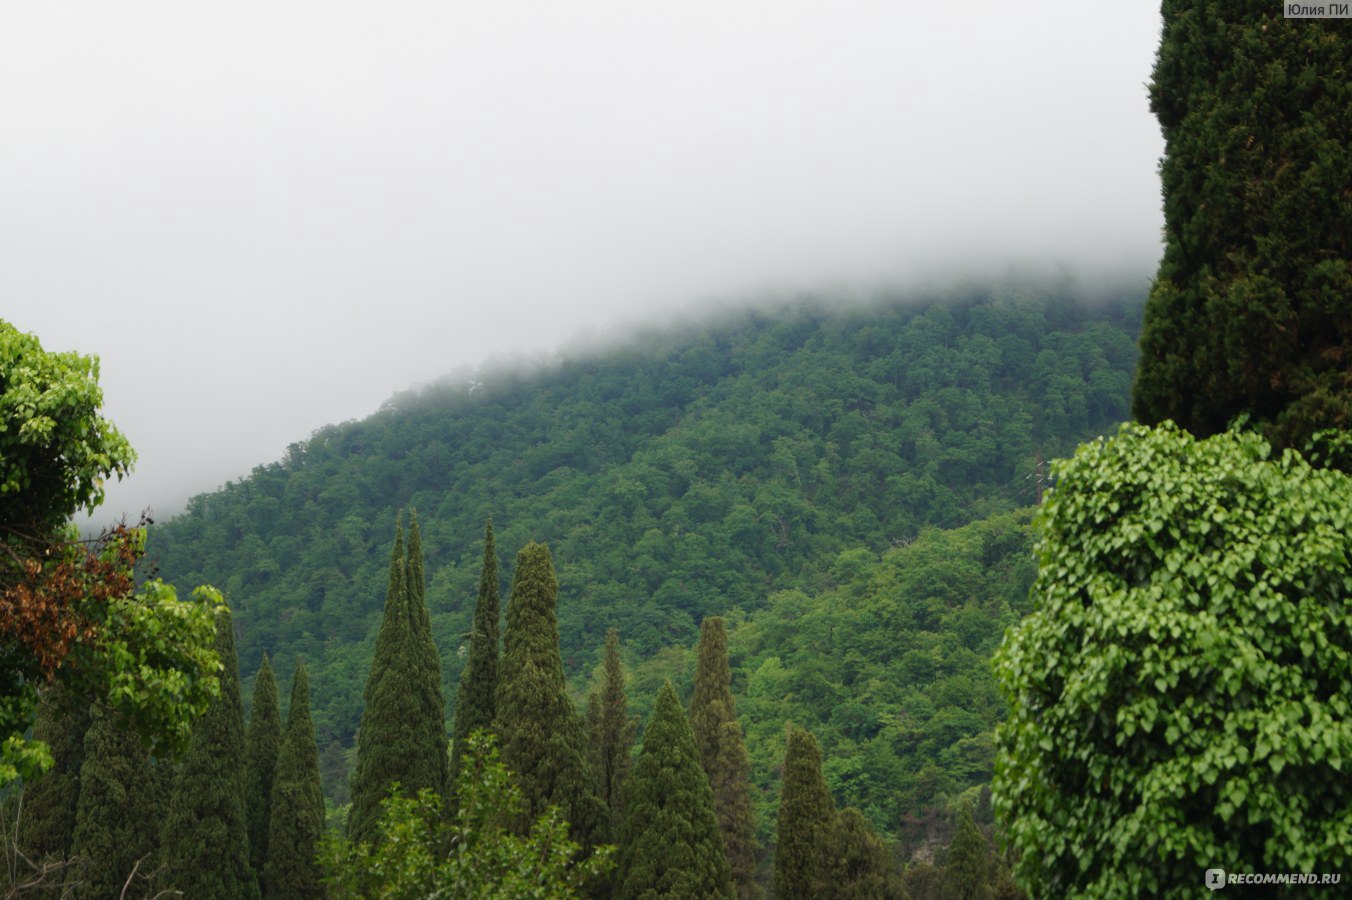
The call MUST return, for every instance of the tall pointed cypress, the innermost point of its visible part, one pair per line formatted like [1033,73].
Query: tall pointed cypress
[610,732]
[1249,310]
[116,822]
[807,816]
[970,861]
[474,701]
[391,743]
[713,719]
[49,801]
[261,742]
[861,867]
[206,832]
[428,672]
[296,827]
[670,845]
[541,734]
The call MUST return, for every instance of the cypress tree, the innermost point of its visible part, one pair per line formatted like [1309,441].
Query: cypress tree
[861,867]
[117,818]
[296,827]
[970,862]
[392,739]
[428,671]
[670,845]
[610,732]
[713,719]
[807,817]
[50,801]
[541,734]
[474,702]
[206,829]
[261,742]
[1248,312]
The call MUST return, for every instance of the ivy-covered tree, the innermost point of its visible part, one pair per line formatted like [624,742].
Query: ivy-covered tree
[296,825]
[670,845]
[542,736]
[479,680]
[47,826]
[1249,310]
[610,732]
[392,746]
[807,818]
[117,818]
[261,743]
[432,720]
[1179,696]
[713,719]
[205,842]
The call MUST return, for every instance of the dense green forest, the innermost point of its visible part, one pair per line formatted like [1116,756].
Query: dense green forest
[773,466]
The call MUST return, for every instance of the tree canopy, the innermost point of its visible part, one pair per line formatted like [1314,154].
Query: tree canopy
[70,611]
[1179,696]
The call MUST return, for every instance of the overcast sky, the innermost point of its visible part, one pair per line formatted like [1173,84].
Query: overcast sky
[268,216]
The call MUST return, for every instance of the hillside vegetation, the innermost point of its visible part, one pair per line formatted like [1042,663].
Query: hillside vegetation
[778,467]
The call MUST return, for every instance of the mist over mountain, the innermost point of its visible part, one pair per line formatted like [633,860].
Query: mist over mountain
[694,471]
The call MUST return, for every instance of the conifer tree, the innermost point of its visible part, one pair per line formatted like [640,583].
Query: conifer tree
[261,742]
[432,721]
[474,702]
[807,816]
[1248,312]
[392,739]
[117,818]
[49,801]
[861,867]
[610,731]
[670,845]
[296,827]
[713,719]
[970,862]
[205,842]
[541,733]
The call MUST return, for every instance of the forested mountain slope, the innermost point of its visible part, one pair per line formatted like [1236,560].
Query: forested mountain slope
[693,472]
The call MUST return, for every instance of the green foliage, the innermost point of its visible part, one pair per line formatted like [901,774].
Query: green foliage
[478,854]
[1249,310]
[118,816]
[543,741]
[718,737]
[807,819]
[479,679]
[1180,693]
[56,450]
[262,741]
[610,732]
[392,745]
[685,474]
[670,845]
[155,661]
[432,717]
[205,842]
[296,824]
[47,826]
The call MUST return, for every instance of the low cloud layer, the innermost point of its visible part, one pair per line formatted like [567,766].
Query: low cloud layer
[269,216]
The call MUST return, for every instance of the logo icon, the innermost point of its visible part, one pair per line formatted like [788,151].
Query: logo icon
[1215,879]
